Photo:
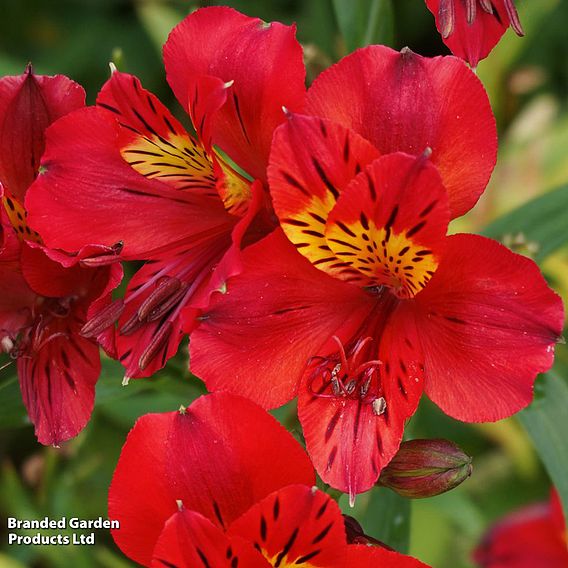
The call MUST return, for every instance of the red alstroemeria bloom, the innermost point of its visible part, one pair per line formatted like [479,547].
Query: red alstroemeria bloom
[380,305]
[127,171]
[472,28]
[223,484]
[532,537]
[43,305]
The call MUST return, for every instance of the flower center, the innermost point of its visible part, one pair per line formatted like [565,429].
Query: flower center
[348,375]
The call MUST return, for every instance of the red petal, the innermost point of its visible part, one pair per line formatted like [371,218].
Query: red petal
[263,60]
[57,379]
[28,105]
[189,540]
[152,140]
[209,94]
[525,539]
[557,512]
[296,309]
[471,41]
[16,299]
[351,437]
[311,162]
[89,194]
[402,102]
[231,262]
[363,556]
[48,278]
[205,457]
[390,223]
[14,291]
[488,323]
[295,525]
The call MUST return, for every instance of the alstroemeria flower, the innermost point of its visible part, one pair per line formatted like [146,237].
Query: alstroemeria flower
[43,305]
[380,305]
[534,536]
[127,171]
[223,484]
[472,28]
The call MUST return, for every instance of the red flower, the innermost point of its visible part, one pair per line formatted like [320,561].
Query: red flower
[128,171]
[380,305]
[42,304]
[534,536]
[472,28]
[222,484]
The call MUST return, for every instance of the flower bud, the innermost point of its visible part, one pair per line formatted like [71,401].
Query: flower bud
[425,468]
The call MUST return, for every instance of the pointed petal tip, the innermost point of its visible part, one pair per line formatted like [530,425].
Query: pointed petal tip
[179,504]
[113,68]
[352,497]
[29,70]
[125,381]
[182,409]
[229,84]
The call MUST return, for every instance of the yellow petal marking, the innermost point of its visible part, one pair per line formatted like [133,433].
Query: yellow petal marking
[382,257]
[17,216]
[177,160]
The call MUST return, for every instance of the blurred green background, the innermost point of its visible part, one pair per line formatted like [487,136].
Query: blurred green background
[525,205]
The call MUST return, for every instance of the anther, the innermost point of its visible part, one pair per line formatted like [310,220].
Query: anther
[350,386]
[157,343]
[447,16]
[159,311]
[163,292]
[131,325]
[7,344]
[105,318]
[487,6]
[365,387]
[471,11]
[379,406]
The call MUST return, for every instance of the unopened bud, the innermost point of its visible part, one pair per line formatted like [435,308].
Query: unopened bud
[425,468]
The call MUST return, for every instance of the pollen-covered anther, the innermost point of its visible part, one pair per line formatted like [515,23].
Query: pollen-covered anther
[7,344]
[342,375]
[379,406]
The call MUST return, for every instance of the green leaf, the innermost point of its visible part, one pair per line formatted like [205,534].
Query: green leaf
[383,515]
[546,421]
[158,19]
[12,410]
[364,22]
[543,221]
